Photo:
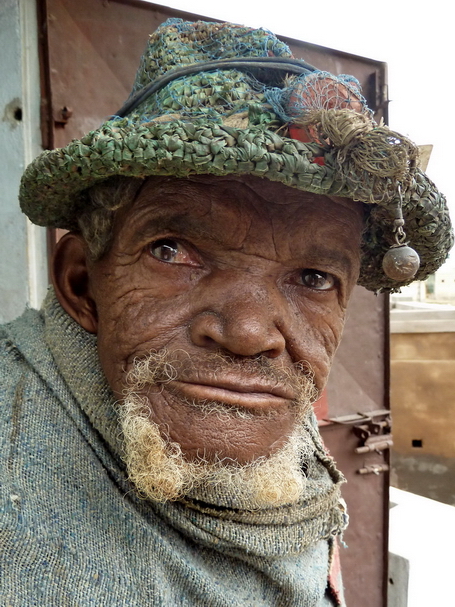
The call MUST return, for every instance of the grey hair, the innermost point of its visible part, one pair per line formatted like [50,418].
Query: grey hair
[102,201]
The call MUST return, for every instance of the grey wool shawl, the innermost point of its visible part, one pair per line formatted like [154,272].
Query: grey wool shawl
[73,531]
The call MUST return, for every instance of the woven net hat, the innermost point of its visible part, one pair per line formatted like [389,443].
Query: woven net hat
[222,99]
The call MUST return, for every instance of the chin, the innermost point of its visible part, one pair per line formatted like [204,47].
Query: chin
[161,472]
[176,445]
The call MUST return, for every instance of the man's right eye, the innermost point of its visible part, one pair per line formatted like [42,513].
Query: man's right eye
[317,280]
[164,250]
[172,251]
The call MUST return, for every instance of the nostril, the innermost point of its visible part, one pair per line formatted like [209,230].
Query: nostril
[241,334]
[274,352]
[206,330]
[204,341]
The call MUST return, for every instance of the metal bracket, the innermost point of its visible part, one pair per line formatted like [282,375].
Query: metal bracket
[62,115]
[374,469]
[374,432]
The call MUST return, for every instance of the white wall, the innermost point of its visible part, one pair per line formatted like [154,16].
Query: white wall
[23,265]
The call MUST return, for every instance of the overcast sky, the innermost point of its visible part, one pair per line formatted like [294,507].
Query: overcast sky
[415,38]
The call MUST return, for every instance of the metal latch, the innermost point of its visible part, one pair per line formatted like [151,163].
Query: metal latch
[374,469]
[375,435]
[374,431]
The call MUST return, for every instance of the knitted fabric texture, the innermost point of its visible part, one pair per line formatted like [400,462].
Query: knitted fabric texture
[196,108]
[74,532]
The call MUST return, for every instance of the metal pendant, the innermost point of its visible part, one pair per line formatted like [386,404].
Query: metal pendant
[401,263]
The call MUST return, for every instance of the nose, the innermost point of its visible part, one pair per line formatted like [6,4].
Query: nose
[243,319]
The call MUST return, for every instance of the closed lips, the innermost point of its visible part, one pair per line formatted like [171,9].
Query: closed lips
[241,392]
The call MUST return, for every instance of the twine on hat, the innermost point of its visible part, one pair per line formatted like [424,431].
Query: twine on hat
[371,159]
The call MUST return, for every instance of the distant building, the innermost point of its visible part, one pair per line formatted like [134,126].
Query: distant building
[438,288]
[422,353]
[442,284]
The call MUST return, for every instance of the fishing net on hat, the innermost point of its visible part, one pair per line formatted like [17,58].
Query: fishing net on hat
[208,94]
[322,91]
[178,43]
[331,111]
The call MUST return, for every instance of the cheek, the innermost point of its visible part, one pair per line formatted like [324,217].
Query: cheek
[316,338]
[126,295]
[132,322]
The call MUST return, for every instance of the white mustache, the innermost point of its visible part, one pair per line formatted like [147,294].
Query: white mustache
[163,367]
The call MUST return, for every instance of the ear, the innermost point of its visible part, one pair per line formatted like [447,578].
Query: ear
[70,277]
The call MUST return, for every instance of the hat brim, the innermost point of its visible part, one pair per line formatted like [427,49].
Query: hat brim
[52,185]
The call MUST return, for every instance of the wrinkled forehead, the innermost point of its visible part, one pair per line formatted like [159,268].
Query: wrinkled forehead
[236,210]
[273,191]
[238,192]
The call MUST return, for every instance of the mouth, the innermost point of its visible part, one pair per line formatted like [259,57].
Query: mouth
[244,393]
[216,411]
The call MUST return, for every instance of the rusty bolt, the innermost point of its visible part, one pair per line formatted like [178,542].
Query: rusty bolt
[63,115]
[66,113]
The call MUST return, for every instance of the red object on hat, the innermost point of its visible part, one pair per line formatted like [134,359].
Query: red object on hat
[301,134]
[319,91]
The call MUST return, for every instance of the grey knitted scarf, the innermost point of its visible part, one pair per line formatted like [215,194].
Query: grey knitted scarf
[51,366]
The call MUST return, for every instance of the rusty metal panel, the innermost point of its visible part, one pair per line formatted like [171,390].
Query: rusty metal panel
[93,50]
[359,382]
[89,52]
[363,559]
[359,378]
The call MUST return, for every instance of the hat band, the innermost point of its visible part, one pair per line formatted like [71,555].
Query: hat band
[295,66]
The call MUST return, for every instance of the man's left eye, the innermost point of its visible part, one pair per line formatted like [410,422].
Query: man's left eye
[320,281]
[171,251]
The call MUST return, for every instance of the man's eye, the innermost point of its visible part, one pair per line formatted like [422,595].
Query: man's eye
[170,251]
[315,279]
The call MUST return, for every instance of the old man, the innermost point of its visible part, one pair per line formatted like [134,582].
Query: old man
[159,445]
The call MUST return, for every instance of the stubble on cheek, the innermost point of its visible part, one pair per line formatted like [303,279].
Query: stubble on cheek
[133,326]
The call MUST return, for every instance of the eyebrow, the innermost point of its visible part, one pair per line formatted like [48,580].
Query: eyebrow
[178,223]
[327,256]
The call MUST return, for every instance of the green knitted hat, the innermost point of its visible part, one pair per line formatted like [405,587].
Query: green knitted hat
[221,99]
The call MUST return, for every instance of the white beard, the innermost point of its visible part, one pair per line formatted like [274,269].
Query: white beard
[160,472]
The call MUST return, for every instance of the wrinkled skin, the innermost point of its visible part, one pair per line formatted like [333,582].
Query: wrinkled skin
[241,266]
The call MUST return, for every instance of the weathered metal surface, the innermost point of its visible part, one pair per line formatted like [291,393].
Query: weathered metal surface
[398,581]
[363,559]
[359,377]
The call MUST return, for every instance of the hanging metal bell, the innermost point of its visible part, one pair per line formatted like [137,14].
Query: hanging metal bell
[401,263]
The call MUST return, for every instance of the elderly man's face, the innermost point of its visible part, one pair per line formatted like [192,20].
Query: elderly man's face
[242,282]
